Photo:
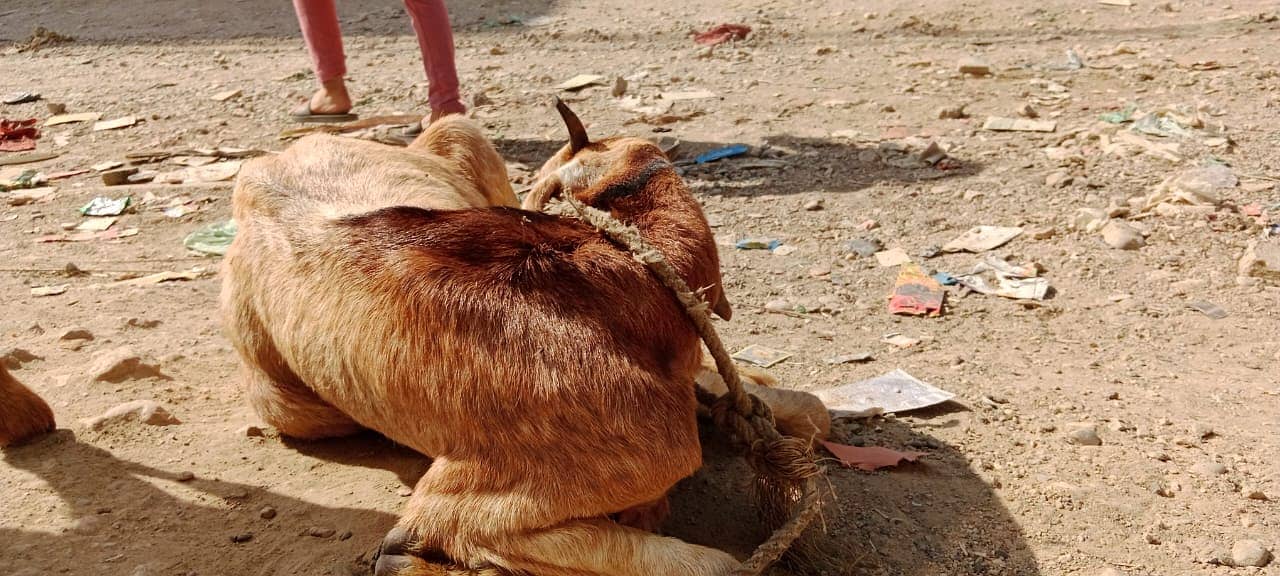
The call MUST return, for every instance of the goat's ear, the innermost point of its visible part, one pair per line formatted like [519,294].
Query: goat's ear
[577,132]
[721,307]
[542,192]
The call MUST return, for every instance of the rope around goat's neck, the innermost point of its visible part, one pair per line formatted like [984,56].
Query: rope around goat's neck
[776,458]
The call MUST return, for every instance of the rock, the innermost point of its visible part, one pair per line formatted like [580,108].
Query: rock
[974,67]
[952,112]
[346,535]
[318,532]
[227,95]
[619,87]
[1254,493]
[1161,489]
[823,50]
[1261,260]
[404,491]
[1250,553]
[120,364]
[242,537]
[186,476]
[1026,111]
[1089,219]
[814,205]
[15,358]
[1042,232]
[76,334]
[820,270]
[1084,435]
[1209,469]
[778,305]
[1058,179]
[1203,431]
[481,99]
[267,513]
[141,323]
[863,247]
[1188,286]
[252,432]
[1122,236]
[147,412]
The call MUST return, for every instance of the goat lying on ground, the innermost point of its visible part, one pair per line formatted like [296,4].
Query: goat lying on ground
[23,415]
[546,372]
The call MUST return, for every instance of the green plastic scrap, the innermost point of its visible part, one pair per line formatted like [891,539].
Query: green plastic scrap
[213,239]
[1121,116]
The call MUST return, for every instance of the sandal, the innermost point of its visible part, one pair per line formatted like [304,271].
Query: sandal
[304,114]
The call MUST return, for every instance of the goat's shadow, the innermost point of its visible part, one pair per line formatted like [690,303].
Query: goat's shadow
[786,165]
[125,523]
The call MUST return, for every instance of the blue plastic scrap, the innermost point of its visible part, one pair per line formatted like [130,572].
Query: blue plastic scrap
[757,244]
[722,153]
[945,279]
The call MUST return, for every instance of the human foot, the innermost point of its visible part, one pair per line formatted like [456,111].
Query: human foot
[331,99]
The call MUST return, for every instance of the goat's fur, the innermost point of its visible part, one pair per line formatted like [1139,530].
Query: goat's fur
[23,415]
[548,374]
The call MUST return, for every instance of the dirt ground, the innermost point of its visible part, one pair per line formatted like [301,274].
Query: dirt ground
[835,98]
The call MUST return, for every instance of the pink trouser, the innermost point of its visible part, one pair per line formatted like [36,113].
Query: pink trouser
[319,22]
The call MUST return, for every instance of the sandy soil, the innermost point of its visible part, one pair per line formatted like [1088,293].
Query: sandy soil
[827,92]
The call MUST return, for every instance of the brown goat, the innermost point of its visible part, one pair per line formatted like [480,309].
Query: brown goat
[548,374]
[23,415]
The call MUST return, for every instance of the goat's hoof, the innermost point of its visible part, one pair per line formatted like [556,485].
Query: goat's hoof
[400,554]
[399,541]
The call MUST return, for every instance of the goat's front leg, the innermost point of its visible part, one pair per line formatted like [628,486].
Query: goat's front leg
[798,414]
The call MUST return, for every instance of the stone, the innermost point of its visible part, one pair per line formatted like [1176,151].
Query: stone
[1089,219]
[318,532]
[814,205]
[252,432]
[147,412]
[120,364]
[974,67]
[1250,553]
[863,247]
[1026,111]
[76,334]
[1058,179]
[1084,435]
[186,476]
[267,513]
[1261,259]
[141,323]
[619,87]
[1209,469]
[952,112]
[1254,493]
[242,537]
[1042,232]
[779,304]
[1122,236]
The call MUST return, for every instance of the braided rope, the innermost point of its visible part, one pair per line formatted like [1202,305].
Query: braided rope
[785,466]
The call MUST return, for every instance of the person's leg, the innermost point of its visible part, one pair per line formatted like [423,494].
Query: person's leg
[435,40]
[319,22]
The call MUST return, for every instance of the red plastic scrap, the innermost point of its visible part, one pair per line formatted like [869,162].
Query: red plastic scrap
[722,33]
[18,135]
[916,293]
[869,458]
